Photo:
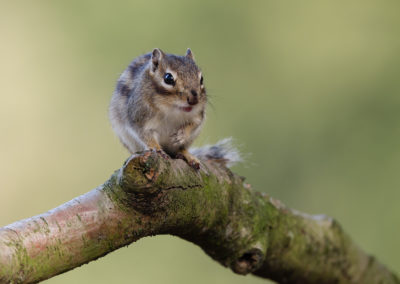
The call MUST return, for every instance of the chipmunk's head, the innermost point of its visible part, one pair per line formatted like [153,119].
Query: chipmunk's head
[177,81]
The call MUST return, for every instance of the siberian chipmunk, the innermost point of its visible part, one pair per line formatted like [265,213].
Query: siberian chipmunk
[159,103]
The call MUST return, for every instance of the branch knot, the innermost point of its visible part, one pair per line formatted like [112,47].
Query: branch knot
[249,261]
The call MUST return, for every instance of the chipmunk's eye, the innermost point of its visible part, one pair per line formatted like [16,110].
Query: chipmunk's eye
[201,80]
[169,79]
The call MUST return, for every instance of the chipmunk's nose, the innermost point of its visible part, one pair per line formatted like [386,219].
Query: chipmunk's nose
[192,99]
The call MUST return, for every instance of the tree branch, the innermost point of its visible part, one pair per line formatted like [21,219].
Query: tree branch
[240,228]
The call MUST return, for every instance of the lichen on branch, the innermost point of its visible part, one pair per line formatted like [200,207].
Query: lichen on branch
[240,228]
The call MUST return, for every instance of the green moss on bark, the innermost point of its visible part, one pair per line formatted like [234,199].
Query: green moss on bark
[240,228]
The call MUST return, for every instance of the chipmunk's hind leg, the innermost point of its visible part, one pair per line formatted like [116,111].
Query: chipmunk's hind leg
[189,158]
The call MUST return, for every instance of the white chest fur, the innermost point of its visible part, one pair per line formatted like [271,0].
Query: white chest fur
[166,126]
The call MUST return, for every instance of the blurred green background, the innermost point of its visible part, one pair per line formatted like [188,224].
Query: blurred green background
[310,89]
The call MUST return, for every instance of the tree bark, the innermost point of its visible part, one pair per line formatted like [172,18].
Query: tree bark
[245,230]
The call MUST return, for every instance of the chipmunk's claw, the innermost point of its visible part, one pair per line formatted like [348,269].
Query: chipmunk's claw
[163,154]
[191,160]
[194,164]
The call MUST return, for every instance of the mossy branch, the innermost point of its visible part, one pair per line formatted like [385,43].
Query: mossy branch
[245,230]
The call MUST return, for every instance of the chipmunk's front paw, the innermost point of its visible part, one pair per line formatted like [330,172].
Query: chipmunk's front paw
[178,138]
[189,158]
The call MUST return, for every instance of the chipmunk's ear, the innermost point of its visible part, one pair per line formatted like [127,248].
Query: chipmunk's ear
[156,57]
[189,54]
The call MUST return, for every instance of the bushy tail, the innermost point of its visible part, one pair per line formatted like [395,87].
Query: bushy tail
[223,152]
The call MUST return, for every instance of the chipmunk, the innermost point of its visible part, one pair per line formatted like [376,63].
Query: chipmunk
[159,103]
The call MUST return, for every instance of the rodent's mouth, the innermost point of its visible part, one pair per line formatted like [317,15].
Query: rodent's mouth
[186,109]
